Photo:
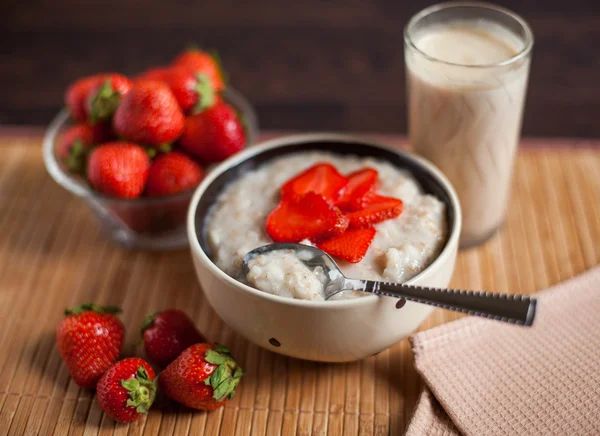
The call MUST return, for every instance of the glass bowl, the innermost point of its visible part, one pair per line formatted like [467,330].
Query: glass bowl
[150,223]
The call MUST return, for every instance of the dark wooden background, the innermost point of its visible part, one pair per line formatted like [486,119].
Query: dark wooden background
[305,64]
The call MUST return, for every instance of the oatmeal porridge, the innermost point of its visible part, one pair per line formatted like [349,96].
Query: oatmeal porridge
[401,248]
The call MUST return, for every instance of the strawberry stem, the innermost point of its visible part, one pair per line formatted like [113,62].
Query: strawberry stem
[142,391]
[104,103]
[75,160]
[148,321]
[91,307]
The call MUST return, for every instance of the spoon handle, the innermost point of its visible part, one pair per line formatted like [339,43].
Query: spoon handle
[515,309]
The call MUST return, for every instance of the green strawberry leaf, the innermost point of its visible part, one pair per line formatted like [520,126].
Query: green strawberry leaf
[206,93]
[108,309]
[148,321]
[77,147]
[223,390]
[222,349]
[215,357]
[221,374]
[91,307]
[130,384]
[238,374]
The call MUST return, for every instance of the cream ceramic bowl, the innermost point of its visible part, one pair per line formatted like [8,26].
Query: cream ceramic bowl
[336,331]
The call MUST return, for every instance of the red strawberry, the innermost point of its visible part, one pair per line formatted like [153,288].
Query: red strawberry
[119,169]
[167,334]
[203,377]
[307,216]
[156,74]
[104,97]
[89,341]
[214,134]
[359,190]
[193,90]
[202,62]
[321,178]
[379,209]
[76,96]
[73,146]
[149,114]
[352,245]
[127,390]
[173,173]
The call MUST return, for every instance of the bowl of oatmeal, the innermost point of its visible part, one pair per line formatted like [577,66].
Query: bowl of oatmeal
[278,303]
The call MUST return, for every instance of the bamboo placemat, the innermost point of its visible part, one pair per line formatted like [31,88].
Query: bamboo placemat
[52,256]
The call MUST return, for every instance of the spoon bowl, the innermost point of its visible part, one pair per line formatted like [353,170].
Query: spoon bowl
[514,309]
[333,279]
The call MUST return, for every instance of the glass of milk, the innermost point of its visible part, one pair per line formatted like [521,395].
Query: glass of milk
[467,66]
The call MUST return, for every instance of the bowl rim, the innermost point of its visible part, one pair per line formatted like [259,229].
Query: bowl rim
[81,189]
[290,140]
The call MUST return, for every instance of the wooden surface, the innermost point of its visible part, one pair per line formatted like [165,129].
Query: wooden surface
[311,64]
[52,256]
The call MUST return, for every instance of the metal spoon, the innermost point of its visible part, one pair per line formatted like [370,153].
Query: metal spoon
[515,309]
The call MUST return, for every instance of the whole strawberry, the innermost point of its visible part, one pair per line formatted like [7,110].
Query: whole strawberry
[149,114]
[73,146]
[119,169]
[167,334]
[203,377]
[89,341]
[127,390]
[202,62]
[172,173]
[214,134]
[193,90]
[104,97]
[76,96]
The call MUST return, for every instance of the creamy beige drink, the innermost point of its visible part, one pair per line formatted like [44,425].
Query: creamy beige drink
[467,82]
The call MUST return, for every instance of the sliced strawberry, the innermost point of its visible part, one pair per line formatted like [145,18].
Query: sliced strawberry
[321,178]
[359,190]
[305,216]
[379,209]
[352,245]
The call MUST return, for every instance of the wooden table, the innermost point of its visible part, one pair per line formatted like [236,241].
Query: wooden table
[52,257]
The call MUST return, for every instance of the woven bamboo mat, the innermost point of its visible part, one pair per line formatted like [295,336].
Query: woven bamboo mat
[52,256]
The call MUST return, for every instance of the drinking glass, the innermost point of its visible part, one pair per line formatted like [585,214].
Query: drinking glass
[465,110]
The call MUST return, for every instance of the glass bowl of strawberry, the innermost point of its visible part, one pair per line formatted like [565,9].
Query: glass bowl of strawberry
[138,179]
[379,212]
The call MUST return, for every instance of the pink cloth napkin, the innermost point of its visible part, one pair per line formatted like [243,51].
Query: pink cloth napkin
[484,377]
